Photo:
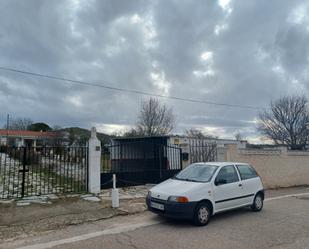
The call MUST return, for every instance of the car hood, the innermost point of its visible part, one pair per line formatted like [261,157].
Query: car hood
[174,187]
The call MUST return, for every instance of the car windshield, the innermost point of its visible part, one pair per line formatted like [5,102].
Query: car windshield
[197,172]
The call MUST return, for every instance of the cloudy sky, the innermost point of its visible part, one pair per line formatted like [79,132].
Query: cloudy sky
[235,52]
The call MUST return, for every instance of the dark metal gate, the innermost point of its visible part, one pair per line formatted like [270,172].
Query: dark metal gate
[202,150]
[139,162]
[30,171]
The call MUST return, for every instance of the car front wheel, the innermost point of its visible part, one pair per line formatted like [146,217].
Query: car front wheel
[202,214]
[257,203]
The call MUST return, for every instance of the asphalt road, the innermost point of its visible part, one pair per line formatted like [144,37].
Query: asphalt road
[283,223]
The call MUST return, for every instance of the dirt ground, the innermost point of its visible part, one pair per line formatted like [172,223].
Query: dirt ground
[22,221]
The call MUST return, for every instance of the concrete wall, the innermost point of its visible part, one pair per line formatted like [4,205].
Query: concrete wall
[277,167]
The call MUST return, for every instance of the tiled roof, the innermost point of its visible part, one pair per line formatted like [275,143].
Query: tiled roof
[17,133]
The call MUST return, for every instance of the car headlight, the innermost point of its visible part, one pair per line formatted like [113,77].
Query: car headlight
[180,199]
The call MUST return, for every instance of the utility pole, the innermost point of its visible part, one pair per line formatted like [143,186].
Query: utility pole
[7,129]
[307,126]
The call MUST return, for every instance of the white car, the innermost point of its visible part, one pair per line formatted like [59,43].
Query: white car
[204,189]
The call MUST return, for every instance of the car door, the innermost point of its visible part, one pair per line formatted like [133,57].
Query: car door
[250,182]
[227,189]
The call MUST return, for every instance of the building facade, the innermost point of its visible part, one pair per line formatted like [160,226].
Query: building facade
[19,138]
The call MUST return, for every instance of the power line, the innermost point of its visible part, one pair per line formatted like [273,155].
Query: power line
[92,84]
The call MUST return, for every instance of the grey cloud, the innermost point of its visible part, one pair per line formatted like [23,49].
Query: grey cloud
[293,48]
[126,43]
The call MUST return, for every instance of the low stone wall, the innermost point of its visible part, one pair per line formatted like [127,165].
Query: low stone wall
[277,167]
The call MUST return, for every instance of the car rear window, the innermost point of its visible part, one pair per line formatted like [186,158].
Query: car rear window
[246,172]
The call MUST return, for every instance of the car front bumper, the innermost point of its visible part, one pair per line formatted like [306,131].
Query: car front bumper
[173,209]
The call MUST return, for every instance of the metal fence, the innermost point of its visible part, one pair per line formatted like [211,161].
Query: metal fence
[139,162]
[30,171]
[202,151]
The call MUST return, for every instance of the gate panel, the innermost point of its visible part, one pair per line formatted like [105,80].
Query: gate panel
[10,177]
[31,171]
[202,151]
[137,163]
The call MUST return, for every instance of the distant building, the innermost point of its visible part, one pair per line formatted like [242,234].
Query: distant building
[20,138]
[185,141]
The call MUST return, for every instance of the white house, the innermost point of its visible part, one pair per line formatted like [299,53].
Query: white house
[20,138]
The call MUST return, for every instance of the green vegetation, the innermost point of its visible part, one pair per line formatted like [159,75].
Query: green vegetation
[39,127]
[105,162]
[81,136]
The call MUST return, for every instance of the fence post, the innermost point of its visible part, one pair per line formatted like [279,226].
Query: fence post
[160,159]
[24,162]
[180,157]
[94,164]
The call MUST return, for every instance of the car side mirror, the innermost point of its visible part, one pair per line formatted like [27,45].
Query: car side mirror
[220,181]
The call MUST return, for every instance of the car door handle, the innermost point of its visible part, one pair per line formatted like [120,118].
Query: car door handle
[239,185]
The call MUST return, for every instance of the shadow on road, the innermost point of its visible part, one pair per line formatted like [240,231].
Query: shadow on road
[225,216]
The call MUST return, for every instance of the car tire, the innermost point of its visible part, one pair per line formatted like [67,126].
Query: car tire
[202,214]
[258,203]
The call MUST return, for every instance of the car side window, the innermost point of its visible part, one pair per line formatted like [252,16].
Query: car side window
[226,175]
[246,172]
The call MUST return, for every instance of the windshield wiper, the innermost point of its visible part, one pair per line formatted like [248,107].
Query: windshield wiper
[187,179]
[191,180]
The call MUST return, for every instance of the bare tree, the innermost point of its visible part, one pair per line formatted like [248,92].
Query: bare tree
[238,136]
[56,127]
[197,133]
[203,147]
[285,122]
[133,132]
[20,124]
[155,118]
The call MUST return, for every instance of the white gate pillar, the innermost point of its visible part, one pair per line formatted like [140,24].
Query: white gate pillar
[94,163]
